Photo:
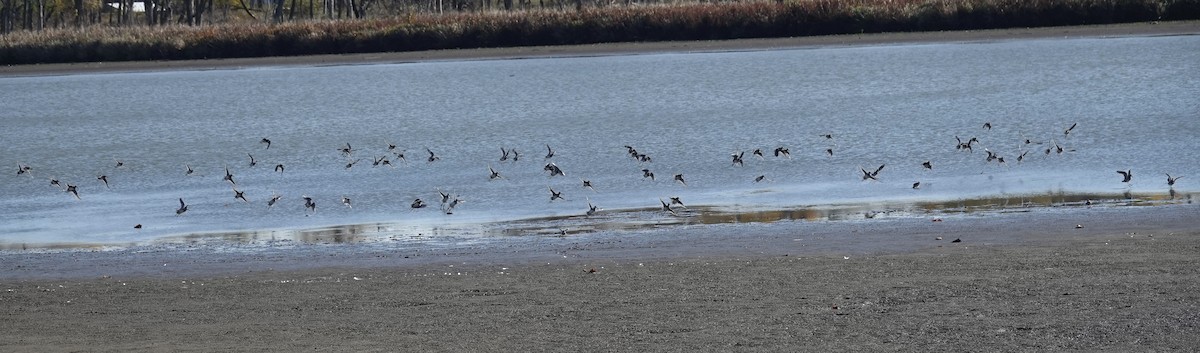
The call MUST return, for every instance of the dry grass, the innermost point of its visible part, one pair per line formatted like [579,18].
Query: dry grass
[696,21]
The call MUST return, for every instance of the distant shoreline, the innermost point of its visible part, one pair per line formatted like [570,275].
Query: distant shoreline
[606,49]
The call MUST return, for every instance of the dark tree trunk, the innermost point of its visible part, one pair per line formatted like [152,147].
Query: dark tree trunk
[277,14]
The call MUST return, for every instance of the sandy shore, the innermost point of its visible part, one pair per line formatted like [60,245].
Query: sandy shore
[1128,280]
[1116,30]
[1026,280]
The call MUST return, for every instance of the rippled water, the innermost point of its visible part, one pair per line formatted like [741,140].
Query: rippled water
[1134,100]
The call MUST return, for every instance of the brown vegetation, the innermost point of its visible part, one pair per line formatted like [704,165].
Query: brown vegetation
[588,24]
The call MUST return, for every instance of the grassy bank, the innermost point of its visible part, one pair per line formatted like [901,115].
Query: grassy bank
[697,21]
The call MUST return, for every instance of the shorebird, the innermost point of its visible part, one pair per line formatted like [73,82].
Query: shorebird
[120,163]
[400,156]
[927,165]
[1022,156]
[587,184]
[827,136]
[871,175]
[966,145]
[22,169]
[229,176]
[104,178]
[71,189]
[1171,180]
[346,150]
[279,168]
[991,156]
[916,185]
[182,207]
[647,174]
[346,201]
[555,195]
[450,207]
[1127,174]
[737,158]
[760,178]
[549,152]
[829,151]
[240,195]
[675,201]
[188,169]
[432,157]
[309,204]
[391,147]
[591,209]
[553,169]
[495,175]
[1068,130]
[253,162]
[987,125]
[54,182]
[758,152]
[515,155]
[679,178]
[667,207]
[266,141]
[351,163]
[375,162]
[503,154]
[417,203]
[445,197]
[274,198]
[781,151]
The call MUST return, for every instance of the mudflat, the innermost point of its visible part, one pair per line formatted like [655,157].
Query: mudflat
[1123,279]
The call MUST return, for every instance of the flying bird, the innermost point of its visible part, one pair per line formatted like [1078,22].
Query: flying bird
[1068,130]
[71,189]
[1127,174]
[104,178]
[679,178]
[1171,180]
[240,195]
[432,157]
[549,152]
[266,141]
[647,174]
[182,207]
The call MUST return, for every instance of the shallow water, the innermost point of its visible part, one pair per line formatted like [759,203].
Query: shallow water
[1134,100]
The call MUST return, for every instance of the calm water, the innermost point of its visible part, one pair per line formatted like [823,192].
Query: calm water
[1134,100]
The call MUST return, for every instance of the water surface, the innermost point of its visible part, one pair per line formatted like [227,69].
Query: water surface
[1133,101]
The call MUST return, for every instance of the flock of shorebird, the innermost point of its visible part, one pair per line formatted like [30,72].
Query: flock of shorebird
[671,205]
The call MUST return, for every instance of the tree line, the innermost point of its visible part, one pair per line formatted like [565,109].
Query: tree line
[33,15]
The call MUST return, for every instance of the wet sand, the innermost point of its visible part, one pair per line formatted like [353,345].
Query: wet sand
[1028,280]
[1128,280]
